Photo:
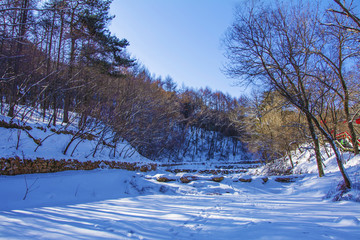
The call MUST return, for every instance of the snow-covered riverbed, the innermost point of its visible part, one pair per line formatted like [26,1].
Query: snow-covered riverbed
[116,204]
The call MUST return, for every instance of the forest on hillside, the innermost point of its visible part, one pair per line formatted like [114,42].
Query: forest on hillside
[60,55]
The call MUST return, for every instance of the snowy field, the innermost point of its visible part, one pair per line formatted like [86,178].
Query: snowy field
[116,204]
[119,204]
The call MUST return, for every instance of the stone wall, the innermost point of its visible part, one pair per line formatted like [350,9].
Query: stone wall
[17,165]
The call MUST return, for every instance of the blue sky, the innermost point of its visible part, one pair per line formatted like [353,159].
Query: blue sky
[179,38]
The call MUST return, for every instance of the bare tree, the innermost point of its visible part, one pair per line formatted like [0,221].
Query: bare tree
[338,52]
[272,46]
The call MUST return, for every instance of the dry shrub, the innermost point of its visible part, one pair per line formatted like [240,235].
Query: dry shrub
[153,166]
[245,179]
[144,168]
[185,180]
[222,171]
[277,167]
[5,124]
[164,179]
[85,136]
[181,170]
[41,128]
[342,193]
[148,168]
[265,179]
[285,179]
[217,179]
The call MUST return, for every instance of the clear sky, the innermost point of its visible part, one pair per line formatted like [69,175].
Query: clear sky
[178,38]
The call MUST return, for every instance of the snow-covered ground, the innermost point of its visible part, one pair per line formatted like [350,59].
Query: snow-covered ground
[119,204]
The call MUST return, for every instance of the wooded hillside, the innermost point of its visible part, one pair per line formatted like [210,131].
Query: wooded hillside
[60,55]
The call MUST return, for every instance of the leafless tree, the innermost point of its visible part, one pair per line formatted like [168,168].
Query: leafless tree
[272,45]
[338,49]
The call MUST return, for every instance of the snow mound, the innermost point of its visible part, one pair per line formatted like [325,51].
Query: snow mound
[347,221]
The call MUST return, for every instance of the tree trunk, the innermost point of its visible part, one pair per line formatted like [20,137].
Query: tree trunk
[348,119]
[316,146]
[67,97]
[290,159]
[354,140]
[55,110]
[18,51]
[330,139]
[66,107]
[340,164]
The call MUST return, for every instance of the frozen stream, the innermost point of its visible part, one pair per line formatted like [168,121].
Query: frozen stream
[173,210]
